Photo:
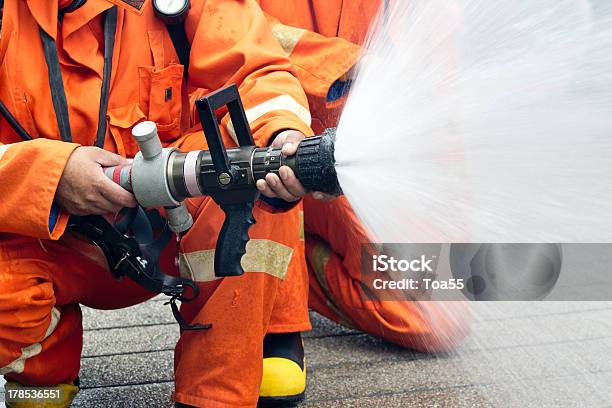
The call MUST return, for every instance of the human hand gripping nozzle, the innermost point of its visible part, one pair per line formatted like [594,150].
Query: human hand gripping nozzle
[165,177]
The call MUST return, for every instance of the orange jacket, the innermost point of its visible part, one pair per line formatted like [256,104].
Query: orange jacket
[348,19]
[231,43]
[323,39]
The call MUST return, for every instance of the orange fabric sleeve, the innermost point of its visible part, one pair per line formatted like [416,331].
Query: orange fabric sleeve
[232,43]
[29,174]
[319,60]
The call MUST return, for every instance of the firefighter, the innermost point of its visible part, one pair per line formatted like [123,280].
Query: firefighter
[76,76]
[323,39]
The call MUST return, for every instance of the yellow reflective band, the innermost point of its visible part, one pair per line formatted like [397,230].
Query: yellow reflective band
[3,149]
[287,36]
[318,259]
[282,102]
[18,365]
[301,225]
[262,255]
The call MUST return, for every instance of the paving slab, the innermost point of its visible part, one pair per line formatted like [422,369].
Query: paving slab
[548,354]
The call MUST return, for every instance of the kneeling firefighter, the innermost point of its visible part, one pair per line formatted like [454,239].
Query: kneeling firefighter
[77,76]
[324,41]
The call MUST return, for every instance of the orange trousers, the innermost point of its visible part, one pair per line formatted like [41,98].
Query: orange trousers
[333,250]
[42,283]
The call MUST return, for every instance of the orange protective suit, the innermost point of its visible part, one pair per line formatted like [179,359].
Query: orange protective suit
[43,279]
[323,38]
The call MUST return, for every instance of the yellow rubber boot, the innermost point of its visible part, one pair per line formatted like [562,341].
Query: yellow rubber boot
[57,396]
[283,383]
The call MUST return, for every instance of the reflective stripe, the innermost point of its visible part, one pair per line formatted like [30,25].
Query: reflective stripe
[262,256]
[318,259]
[282,102]
[287,36]
[301,225]
[3,149]
[18,365]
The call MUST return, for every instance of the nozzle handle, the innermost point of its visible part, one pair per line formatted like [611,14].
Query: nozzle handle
[232,240]
[206,107]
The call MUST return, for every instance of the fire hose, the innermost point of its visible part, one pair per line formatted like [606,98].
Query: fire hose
[165,177]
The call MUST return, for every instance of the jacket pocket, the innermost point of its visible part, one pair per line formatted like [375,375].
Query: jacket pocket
[160,98]
[121,121]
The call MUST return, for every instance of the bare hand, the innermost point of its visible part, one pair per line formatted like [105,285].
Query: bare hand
[287,187]
[85,190]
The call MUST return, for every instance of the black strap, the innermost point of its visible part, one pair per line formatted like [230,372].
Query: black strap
[132,248]
[110,26]
[13,122]
[56,83]
[181,44]
[58,96]
[181,320]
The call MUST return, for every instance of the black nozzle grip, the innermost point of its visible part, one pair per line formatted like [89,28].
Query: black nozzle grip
[234,235]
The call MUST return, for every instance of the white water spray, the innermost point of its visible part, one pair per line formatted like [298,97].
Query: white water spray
[491,121]
[483,121]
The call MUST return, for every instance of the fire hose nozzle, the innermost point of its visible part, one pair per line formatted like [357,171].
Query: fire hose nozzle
[165,177]
[314,163]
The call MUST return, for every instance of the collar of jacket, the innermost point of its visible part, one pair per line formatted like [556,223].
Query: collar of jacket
[45,13]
